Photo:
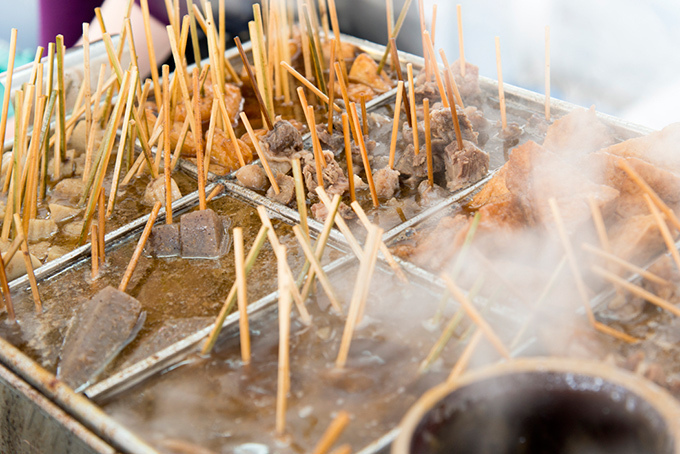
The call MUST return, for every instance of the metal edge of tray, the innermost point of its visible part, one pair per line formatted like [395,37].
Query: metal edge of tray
[173,354]
[75,405]
[32,423]
[112,239]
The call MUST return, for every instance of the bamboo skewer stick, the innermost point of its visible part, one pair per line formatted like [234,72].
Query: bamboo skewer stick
[94,250]
[395,124]
[359,294]
[304,81]
[421,16]
[395,32]
[343,85]
[364,115]
[599,224]
[428,141]
[244,330]
[318,269]
[29,265]
[283,379]
[647,189]
[167,169]
[8,88]
[400,76]
[139,248]
[342,225]
[231,298]
[361,214]
[260,154]
[412,103]
[435,66]
[637,290]
[61,117]
[210,138]
[6,295]
[228,122]
[14,247]
[217,190]
[453,108]
[501,90]
[182,78]
[629,266]
[547,73]
[319,247]
[94,124]
[389,10]
[364,154]
[101,225]
[476,316]
[300,195]
[253,82]
[150,47]
[663,228]
[348,156]
[456,92]
[319,158]
[276,246]
[336,31]
[331,87]
[198,140]
[580,285]
[461,46]
[334,430]
[433,29]
[86,77]
[464,359]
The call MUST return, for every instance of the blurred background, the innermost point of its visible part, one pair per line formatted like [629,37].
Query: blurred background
[620,55]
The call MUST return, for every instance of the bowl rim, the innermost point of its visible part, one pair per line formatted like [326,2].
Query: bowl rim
[660,399]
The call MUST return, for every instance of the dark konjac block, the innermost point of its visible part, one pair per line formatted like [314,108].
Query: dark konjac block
[201,234]
[164,241]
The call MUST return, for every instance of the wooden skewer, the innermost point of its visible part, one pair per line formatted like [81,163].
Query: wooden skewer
[319,158]
[412,101]
[152,53]
[663,228]
[646,188]
[580,285]
[395,32]
[244,330]
[253,82]
[260,154]
[400,76]
[359,294]
[6,295]
[217,190]
[348,156]
[464,359]
[456,92]
[395,124]
[501,90]
[476,316]
[364,115]
[629,266]
[94,249]
[547,73]
[342,225]
[283,381]
[452,106]
[94,126]
[421,15]
[101,226]
[167,169]
[198,140]
[139,248]
[300,195]
[599,223]
[61,102]
[14,247]
[319,94]
[334,430]
[364,154]
[342,449]
[336,31]
[276,246]
[435,67]
[181,76]
[231,298]
[331,87]
[389,10]
[361,214]
[29,265]
[8,87]
[433,28]
[637,290]
[319,247]
[86,77]
[210,137]
[343,86]
[428,141]
[461,47]
[318,269]
[228,121]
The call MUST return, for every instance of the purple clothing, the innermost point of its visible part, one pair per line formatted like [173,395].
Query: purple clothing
[66,17]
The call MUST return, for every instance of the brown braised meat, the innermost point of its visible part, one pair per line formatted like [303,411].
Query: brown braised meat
[386,182]
[334,179]
[466,166]
[282,142]
[468,86]
[286,187]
